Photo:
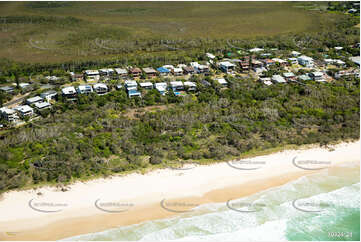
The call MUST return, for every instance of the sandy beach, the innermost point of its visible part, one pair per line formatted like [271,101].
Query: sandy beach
[49,214]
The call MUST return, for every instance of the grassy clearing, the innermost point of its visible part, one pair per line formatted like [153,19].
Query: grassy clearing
[64,31]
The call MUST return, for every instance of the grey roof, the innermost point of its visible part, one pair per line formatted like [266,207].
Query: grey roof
[34,99]
[41,105]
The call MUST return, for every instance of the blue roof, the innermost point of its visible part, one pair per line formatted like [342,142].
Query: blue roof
[163,70]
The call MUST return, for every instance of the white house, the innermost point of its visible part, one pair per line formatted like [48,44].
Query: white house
[33,100]
[161,87]
[305,61]
[222,82]
[48,95]
[100,88]
[317,76]
[25,110]
[266,80]
[42,105]
[106,72]
[121,72]
[9,114]
[69,92]
[295,53]
[210,56]
[146,85]
[191,86]
[177,86]
[278,79]
[92,75]
[227,66]
[132,88]
[255,50]
[293,60]
[177,71]
[84,89]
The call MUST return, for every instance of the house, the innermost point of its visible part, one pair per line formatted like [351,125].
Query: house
[190,86]
[9,114]
[121,72]
[260,70]
[340,63]
[84,89]
[7,89]
[33,100]
[188,70]
[210,56]
[24,85]
[266,54]
[106,72]
[194,64]
[266,80]
[132,88]
[328,61]
[163,71]
[42,105]
[75,77]
[177,86]
[100,88]
[305,61]
[280,61]
[227,66]
[69,92]
[293,60]
[161,87]
[278,79]
[146,85]
[268,62]
[317,76]
[338,48]
[25,111]
[202,69]
[181,65]
[48,95]
[222,82]
[150,72]
[304,77]
[91,75]
[352,10]
[256,50]
[347,74]
[52,78]
[295,53]
[135,72]
[177,71]
[256,64]
[289,76]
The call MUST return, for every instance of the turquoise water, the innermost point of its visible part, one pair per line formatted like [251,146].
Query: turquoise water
[334,194]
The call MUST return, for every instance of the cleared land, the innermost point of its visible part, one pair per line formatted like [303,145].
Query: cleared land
[46,32]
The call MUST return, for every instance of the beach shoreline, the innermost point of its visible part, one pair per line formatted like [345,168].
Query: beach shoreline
[197,185]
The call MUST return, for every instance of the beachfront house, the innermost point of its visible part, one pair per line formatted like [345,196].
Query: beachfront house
[135,72]
[69,93]
[305,61]
[266,80]
[8,114]
[7,89]
[188,70]
[222,82]
[317,76]
[120,72]
[100,88]
[49,95]
[132,88]
[146,85]
[163,71]
[289,76]
[227,66]
[295,53]
[33,100]
[190,86]
[278,79]
[161,87]
[91,75]
[177,71]
[42,105]
[106,72]
[24,111]
[150,72]
[177,86]
[84,89]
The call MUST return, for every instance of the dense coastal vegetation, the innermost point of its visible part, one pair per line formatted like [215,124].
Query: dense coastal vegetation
[102,135]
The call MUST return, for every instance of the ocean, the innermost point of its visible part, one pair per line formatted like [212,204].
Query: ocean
[322,206]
